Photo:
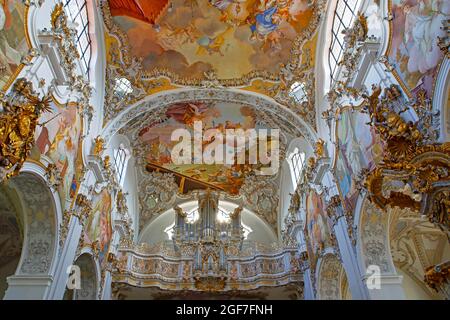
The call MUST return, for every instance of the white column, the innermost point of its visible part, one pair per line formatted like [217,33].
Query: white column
[308,290]
[348,256]
[106,293]
[28,287]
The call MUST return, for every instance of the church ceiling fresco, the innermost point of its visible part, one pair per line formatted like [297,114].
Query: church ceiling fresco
[261,46]
[231,38]
[153,140]
[414,49]
[14,42]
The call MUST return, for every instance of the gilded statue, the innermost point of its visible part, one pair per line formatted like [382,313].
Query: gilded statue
[107,163]
[295,203]
[401,137]
[121,202]
[441,208]
[18,120]
[319,149]
[99,146]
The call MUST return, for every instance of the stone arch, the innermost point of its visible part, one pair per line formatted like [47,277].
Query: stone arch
[373,243]
[416,245]
[39,209]
[11,236]
[441,100]
[89,278]
[329,278]
[157,102]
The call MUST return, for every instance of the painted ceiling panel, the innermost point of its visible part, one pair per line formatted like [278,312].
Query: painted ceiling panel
[232,38]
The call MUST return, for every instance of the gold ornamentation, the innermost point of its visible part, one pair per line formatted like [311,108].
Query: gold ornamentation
[107,163]
[439,212]
[121,202]
[438,277]
[18,120]
[53,176]
[99,146]
[95,246]
[412,165]
[319,149]
[210,284]
[83,208]
[64,228]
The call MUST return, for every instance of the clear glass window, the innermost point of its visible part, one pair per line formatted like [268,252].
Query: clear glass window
[77,13]
[344,16]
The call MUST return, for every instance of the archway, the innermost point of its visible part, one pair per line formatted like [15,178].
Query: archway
[36,206]
[88,279]
[400,244]
[11,236]
[332,281]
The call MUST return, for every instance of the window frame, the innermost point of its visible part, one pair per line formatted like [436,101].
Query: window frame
[296,165]
[81,15]
[337,45]
[121,154]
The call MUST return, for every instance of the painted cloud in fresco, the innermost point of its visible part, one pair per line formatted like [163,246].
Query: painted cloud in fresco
[417,26]
[232,37]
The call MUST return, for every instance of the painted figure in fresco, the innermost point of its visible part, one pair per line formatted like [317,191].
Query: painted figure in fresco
[187,113]
[415,42]
[63,149]
[264,24]
[9,57]
[59,139]
[221,4]
[316,223]
[208,45]
[191,38]
[359,148]
[422,27]
[100,226]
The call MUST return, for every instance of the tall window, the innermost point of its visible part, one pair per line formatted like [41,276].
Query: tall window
[296,163]
[77,13]
[344,16]
[120,160]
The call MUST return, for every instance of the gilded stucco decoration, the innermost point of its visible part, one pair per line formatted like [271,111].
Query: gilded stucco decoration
[413,164]
[260,193]
[416,247]
[19,116]
[65,36]
[158,194]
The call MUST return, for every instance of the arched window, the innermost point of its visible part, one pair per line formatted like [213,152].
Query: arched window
[344,16]
[120,161]
[296,163]
[77,13]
